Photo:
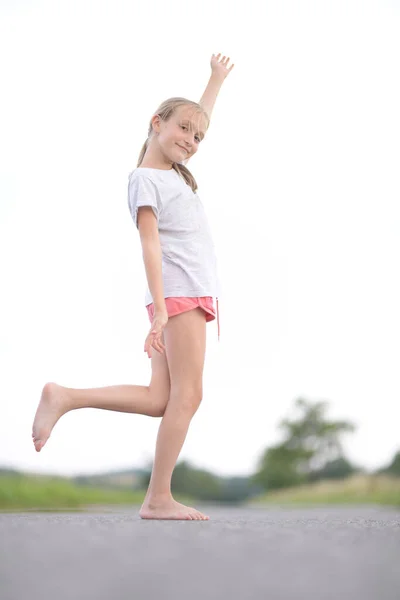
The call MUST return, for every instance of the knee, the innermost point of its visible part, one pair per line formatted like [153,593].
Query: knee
[186,399]
[159,405]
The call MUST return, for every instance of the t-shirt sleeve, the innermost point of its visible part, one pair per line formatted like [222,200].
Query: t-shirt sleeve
[143,192]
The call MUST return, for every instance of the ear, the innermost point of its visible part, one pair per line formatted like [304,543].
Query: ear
[156,122]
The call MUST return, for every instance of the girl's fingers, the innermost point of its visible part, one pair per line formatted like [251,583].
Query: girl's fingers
[157,345]
[154,340]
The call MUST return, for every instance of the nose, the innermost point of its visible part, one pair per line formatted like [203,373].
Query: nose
[190,139]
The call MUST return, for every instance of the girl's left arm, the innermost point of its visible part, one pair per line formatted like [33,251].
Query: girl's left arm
[219,71]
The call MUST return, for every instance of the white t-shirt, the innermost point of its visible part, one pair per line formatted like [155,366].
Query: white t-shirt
[189,264]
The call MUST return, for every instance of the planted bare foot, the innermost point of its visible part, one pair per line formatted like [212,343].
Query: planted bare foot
[53,404]
[170,509]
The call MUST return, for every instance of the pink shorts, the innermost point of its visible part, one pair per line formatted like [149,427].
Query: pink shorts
[180,304]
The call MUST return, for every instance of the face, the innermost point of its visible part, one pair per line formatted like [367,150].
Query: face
[181,136]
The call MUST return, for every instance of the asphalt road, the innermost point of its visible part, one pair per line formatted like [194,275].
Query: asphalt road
[344,553]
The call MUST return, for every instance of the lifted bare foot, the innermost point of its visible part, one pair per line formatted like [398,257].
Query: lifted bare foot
[170,510]
[53,404]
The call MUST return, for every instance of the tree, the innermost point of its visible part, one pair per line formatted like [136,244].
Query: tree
[313,433]
[394,467]
[195,482]
[278,468]
[334,469]
[311,441]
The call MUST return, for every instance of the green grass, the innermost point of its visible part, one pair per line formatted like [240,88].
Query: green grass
[36,492]
[22,492]
[359,489]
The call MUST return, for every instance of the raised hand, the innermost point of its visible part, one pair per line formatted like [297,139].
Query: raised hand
[220,67]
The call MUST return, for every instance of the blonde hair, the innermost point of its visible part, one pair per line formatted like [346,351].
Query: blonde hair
[165,111]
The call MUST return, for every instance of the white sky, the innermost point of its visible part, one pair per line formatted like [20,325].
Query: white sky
[299,175]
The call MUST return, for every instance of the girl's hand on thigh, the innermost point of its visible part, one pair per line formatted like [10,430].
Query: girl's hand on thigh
[154,337]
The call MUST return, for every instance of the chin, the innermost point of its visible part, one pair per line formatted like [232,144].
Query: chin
[182,153]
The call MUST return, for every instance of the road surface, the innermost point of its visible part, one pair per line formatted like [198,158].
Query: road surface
[335,553]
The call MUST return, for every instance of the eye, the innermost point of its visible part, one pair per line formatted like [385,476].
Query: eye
[184,127]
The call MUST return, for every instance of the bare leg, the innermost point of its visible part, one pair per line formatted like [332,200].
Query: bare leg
[159,503]
[57,400]
[149,400]
[185,347]
[170,439]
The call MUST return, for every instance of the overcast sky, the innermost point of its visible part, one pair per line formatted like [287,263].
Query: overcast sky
[299,176]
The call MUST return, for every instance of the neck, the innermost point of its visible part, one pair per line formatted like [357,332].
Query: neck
[154,159]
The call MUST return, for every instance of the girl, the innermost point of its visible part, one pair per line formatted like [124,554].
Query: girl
[180,264]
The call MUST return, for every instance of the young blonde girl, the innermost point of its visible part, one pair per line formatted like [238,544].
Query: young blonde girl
[181,272]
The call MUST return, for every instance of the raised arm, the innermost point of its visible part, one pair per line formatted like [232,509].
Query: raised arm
[219,71]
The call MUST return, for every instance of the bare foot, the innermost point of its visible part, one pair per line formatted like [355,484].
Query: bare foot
[53,404]
[170,510]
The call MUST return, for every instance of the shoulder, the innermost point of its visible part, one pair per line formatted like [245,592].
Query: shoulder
[143,190]
[141,175]
[143,181]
